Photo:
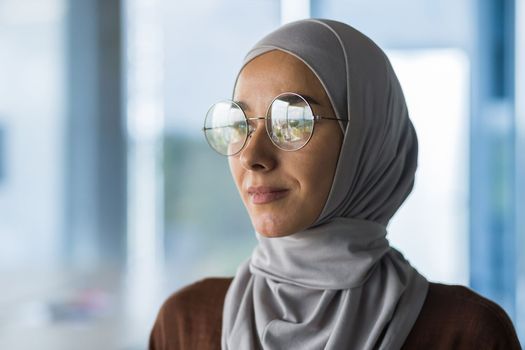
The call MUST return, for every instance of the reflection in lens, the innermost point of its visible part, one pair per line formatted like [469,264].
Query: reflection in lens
[290,122]
[225,127]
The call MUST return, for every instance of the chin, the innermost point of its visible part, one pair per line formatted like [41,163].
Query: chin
[273,234]
[273,223]
[271,228]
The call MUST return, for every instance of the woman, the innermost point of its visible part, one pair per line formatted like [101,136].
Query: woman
[323,153]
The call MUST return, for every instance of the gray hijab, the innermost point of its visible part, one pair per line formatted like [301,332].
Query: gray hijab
[338,284]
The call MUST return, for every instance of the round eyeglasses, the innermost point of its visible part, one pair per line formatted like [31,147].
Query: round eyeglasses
[289,124]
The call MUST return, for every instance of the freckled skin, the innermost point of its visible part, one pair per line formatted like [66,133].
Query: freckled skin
[306,173]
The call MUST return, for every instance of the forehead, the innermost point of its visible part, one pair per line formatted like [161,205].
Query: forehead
[275,72]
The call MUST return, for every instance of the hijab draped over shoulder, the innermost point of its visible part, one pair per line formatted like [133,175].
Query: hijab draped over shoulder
[338,284]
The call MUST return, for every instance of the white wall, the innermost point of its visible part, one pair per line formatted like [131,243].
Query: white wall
[31,102]
[431,228]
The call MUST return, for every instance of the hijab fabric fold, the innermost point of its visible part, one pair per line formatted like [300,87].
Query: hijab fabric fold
[337,284]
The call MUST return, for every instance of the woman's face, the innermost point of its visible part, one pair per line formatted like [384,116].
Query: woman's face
[284,191]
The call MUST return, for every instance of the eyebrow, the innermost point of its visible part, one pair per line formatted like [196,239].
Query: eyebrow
[308,99]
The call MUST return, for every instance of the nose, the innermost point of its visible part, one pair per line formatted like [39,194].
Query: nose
[258,153]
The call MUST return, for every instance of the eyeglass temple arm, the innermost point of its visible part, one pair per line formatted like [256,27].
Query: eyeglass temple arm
[316,117]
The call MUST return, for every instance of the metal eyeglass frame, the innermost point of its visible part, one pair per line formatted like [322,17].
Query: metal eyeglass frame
[251,129]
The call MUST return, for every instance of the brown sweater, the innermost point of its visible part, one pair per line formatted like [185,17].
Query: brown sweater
[452,317]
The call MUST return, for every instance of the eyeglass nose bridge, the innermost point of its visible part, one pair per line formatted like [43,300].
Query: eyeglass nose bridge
[251,128]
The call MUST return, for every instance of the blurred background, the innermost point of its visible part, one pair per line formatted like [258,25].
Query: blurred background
[110,198]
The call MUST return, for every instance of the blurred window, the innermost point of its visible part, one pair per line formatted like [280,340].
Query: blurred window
[31,133]
[207,230]
[432,225]
[2,154]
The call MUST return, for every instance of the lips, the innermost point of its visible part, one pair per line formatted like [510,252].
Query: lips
[266,194]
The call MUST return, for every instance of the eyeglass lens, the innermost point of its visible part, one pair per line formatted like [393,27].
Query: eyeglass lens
[289,123]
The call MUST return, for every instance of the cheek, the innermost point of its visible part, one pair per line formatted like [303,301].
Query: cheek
[236,171]
[316,181]
[317,172]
